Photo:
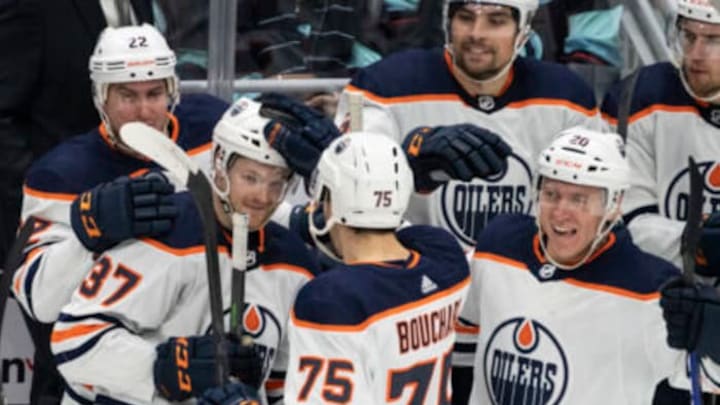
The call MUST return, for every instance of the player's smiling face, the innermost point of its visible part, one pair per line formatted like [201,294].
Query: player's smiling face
[482,38]
[569,217]
[146,102]
[256,189]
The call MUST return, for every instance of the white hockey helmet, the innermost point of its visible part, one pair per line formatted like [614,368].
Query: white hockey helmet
[701,10]
[589,158]
[240,133]
[369,181]
[525,9]
[132,54]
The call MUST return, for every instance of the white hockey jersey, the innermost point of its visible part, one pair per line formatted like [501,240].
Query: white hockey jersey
[593,335]
[142,292]
[380,333]
[665,126]
[416,88]
[56,261]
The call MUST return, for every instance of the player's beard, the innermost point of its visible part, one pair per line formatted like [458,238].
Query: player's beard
[482,70]
[702,84]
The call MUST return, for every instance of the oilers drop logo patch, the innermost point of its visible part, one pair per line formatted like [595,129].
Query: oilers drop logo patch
[467,207]
[524,364]
[677,196]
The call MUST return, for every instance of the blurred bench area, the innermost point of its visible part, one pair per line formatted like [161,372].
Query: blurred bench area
[310,47]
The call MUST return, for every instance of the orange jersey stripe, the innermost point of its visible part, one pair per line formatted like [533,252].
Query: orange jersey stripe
[381,315]
[651,109]
[48,195]
[274,384]
[200,149]
[555,102]
[470,330]
[500,259]
[80,330]
[192,250]
[288,267]
[583,284]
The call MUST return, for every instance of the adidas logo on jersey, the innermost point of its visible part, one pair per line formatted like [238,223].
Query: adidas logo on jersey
[427,285]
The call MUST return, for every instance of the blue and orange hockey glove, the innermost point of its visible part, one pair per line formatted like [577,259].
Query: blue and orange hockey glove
[300,133]
[692,317]
[455,152]
[122,209]
[185,366]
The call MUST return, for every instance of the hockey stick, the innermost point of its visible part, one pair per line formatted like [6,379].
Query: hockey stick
[161,149]
[239,260]
[12,262]
[355,107]
[689,242]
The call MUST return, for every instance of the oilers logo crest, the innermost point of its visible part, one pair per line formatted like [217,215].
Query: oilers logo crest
[467,207]
[678,196]
[524,364]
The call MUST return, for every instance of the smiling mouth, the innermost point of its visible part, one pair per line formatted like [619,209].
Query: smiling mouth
[563,231]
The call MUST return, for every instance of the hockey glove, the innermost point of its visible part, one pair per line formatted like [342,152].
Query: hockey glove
[708,257]
[692,317]
[300,133]
[185,367]
[124,208]
[231,394]
[456,152]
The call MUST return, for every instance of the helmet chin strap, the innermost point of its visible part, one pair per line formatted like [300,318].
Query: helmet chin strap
[711,99]
[600,234]
[321,237]
[519,43]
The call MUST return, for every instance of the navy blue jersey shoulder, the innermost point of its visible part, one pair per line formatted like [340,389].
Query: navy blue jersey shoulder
[509,235]
[78,164]
[350,294]
[625,266]
[283,246]
[622,266]
[432,242]
[415,72]
[656,84]
[405,73]
[197,115]
[534,79]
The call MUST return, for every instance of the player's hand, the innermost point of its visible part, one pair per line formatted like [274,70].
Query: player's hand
[124,208]
[455,152]
[185,367]
[230,394]
[300,133]
[692,316]
[708,257]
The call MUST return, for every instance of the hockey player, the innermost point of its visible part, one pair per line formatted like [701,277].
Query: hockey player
[675,113]
[378,328]
[432,102]
[71,191]
[146,300]
[566,304]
